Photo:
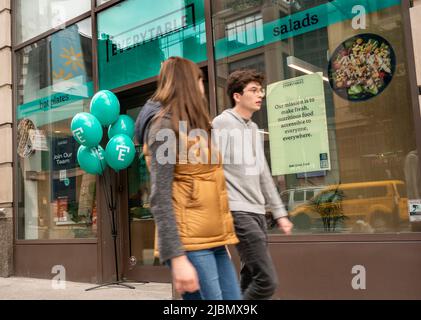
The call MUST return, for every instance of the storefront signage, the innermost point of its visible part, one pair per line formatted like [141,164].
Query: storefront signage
[152,30]
[133,51]
[302,22]
[53,101]
[295,25]
[299,141]
[66,80]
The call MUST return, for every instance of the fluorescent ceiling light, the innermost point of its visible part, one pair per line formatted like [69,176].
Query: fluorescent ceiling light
[263,132]
[303,66]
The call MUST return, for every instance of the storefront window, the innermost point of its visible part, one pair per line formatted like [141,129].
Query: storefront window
[338,113]
[133,51]
[37,16]
[56,199]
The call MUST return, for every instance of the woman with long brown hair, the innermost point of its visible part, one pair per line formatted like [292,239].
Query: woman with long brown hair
[188,197]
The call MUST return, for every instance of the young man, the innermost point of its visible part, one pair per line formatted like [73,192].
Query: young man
[250,190]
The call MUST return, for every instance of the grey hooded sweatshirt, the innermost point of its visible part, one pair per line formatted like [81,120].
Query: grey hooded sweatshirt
[250,187]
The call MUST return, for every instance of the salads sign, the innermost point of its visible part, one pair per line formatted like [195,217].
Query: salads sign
[299,141]
[315,18]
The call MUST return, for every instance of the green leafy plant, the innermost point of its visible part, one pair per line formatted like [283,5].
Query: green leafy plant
[329,206]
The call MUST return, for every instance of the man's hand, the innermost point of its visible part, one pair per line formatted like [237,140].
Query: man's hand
[285,225]
[184,275]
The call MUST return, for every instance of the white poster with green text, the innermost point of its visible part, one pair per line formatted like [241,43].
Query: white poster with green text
[299,141]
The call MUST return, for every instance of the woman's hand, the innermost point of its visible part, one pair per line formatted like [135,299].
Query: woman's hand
[184,275]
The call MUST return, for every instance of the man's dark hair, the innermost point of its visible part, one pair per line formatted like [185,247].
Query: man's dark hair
[239,79]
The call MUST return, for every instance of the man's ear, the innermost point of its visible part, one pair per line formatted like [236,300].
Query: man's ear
[237,96]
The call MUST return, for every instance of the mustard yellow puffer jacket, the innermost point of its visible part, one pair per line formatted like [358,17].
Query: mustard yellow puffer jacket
[200,203]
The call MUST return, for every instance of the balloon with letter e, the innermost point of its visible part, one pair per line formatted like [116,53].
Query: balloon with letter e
[120,152]
[86,129]
[92,160]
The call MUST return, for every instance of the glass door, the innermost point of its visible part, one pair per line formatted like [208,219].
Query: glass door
[138,226]
[142,226]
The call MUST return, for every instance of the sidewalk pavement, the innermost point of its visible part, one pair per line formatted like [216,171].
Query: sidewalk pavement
[35,289]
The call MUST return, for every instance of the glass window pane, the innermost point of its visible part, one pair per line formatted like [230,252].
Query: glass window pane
[37,16]
[56,199]
[363,122]
[142,224]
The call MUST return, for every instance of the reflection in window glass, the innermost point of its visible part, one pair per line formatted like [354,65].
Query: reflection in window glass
[37,16]
[309,194]
[299,196]
[369,123]
[56,199]
[247,31]
[99,2]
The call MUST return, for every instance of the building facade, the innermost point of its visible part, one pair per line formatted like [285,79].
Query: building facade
[6,159]
[341,126]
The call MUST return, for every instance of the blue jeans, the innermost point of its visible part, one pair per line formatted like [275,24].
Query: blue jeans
[217,276]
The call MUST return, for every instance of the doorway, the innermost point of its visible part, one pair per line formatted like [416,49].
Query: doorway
[136,221]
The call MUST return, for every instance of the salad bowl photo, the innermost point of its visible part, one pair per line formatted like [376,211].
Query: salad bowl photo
[361,67]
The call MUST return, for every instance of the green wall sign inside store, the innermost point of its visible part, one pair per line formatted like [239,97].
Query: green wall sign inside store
[137,35]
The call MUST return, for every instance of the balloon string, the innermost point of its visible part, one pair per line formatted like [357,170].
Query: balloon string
[108,197]
[112,206]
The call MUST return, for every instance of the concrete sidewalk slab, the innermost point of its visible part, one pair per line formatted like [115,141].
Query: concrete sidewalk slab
[37,289]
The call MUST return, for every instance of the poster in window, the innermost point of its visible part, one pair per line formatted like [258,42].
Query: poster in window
[63,155]
[298,131]
[362,67]
[414,210]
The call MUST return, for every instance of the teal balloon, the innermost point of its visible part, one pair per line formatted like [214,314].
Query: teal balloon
[106,107]
[120,152]
[86,129]
[92,160]
[123,125]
